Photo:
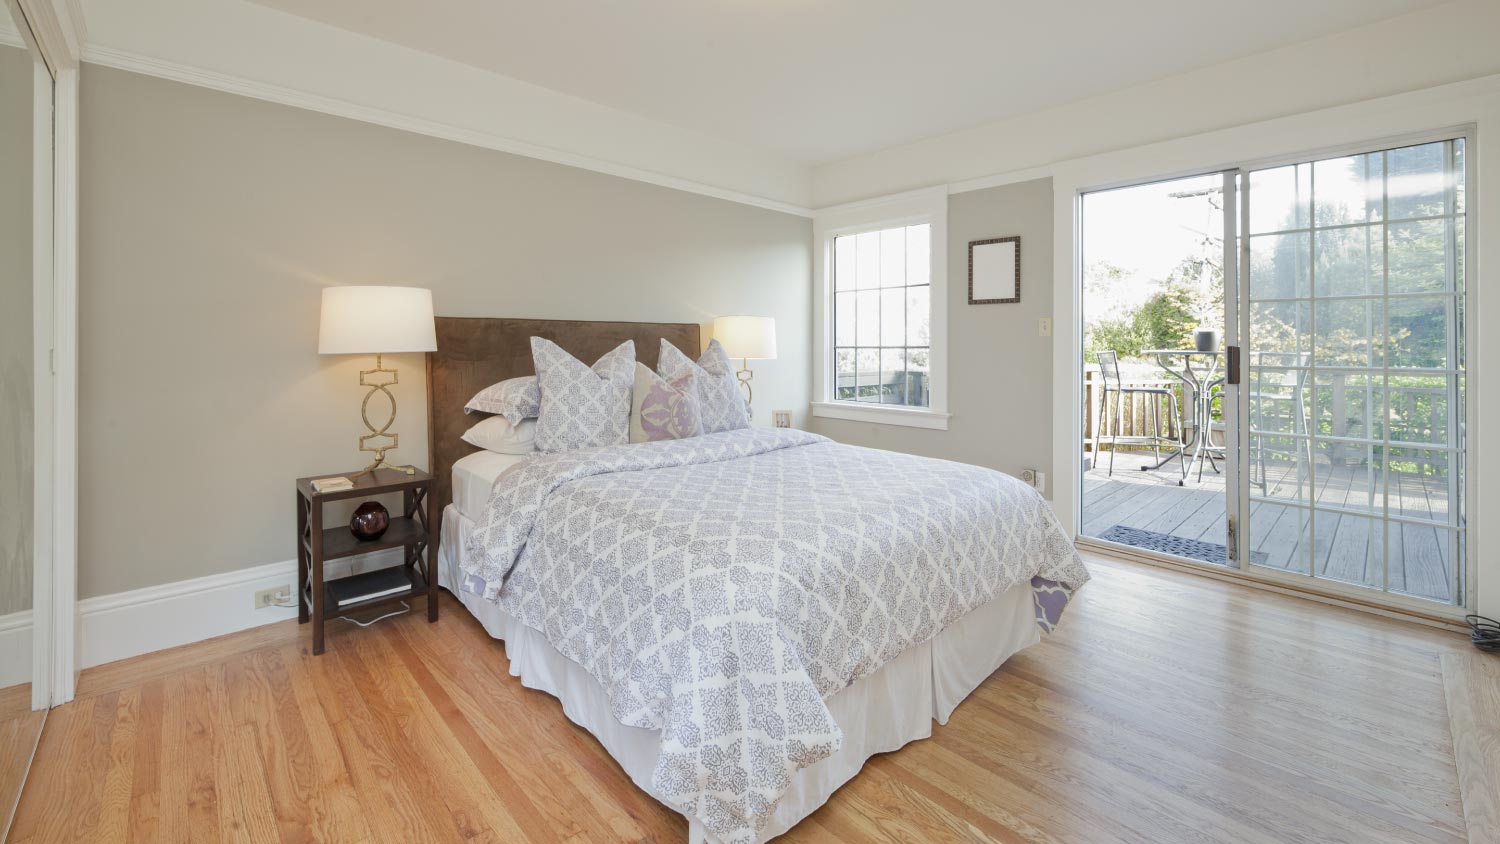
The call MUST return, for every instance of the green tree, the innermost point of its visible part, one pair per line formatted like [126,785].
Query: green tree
[1164,321]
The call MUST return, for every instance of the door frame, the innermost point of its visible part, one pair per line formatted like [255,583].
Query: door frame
[53,31]
[1470,109]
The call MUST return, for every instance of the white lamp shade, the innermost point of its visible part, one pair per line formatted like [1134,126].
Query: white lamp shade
[376,320]
[752,337]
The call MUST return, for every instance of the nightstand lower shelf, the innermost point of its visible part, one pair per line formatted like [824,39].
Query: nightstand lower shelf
[332,609]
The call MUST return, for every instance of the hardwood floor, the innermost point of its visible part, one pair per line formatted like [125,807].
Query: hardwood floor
[19,727]
[1473,685]
[1167,708]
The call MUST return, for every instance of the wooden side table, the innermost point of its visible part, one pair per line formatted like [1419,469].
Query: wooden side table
[316,545]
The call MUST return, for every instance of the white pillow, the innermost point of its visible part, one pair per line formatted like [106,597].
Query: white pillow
[721,403]
[498,435]
[582,406]
[514,398]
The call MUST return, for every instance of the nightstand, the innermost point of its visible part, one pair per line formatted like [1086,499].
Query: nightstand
[316,545]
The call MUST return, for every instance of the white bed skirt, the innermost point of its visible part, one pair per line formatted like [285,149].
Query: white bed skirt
[877,714]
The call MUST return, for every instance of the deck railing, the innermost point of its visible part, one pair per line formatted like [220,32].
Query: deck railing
[1336,408]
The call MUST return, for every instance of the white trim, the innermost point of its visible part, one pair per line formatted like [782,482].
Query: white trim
[57,26]
[910,417]
[154,618]
[926,205]
[43,570]
[15,649]
[54,30]
[1473,102]
[64,622]
[135,63]
[1028,174]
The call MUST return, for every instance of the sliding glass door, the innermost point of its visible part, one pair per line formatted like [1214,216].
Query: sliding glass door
[1316,433]
[1353,345]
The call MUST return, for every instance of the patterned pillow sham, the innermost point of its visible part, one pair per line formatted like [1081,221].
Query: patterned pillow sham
[582,406]
[513,398]
[721,405]
[662,409]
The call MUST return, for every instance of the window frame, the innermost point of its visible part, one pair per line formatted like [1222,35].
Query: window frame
[927,206]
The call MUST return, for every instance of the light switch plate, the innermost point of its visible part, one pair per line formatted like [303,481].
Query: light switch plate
[1044,326]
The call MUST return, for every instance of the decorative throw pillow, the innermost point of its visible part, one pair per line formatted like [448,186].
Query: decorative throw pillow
[513,398]
[721,404]
[582,407]
[662,409]
[495,433]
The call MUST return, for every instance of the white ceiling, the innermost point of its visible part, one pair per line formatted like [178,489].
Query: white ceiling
[823,80]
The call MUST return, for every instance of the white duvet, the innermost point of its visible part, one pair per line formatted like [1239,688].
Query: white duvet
[720,587]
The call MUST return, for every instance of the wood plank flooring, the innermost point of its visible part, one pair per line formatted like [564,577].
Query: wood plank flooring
[19,727]
[1473,685]
[1167,708]
[1348,546]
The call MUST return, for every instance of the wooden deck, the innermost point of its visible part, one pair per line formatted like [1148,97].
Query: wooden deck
[1348,546]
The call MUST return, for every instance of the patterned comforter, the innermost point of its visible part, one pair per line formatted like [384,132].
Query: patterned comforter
[720,587]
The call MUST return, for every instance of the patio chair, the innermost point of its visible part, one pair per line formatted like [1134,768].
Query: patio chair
[1214,453]
[1285,388]
[1109,370]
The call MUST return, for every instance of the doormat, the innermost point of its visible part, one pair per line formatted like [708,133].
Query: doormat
[1192,549]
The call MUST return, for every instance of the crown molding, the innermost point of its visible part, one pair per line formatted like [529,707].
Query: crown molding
[57,26]
[176,72]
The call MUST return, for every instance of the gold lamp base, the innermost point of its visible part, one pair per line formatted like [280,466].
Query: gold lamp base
[380,386]
[744,374]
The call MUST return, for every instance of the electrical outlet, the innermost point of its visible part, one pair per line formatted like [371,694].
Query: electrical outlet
[1044,326]
[1035,478]
[272,597]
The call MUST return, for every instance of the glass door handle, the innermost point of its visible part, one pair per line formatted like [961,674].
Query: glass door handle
[1232,364]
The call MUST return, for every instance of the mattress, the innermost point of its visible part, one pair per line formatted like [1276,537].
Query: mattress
[877,714]
[475,475]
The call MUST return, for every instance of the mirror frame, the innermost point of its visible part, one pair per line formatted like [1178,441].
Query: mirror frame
[53,31]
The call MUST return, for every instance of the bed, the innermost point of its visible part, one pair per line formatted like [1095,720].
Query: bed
[608,599]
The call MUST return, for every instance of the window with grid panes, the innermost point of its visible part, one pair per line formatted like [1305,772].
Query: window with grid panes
[882,316]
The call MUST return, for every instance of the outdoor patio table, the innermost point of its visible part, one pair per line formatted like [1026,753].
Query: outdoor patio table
[1197,372]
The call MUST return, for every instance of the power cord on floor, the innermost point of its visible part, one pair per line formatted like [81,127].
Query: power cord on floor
[1486,633]
[405,608]
[392,614]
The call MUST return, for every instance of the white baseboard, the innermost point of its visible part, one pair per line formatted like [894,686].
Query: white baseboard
[127,624]
[15,649]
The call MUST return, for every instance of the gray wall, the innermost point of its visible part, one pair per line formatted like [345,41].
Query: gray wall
[209,225]
[999,367]
[16,457]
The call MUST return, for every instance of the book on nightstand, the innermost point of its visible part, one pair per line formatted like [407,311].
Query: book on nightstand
[369,586]
[331,484]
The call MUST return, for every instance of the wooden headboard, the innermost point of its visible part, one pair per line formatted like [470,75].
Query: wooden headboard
[474,353]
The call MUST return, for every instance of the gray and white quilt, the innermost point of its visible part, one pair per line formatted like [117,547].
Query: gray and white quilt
[720,587]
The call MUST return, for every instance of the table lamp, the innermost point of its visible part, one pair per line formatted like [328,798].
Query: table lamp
[378,321]
[747,338]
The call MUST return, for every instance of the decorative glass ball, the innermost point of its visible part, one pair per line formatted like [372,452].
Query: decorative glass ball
[370,521]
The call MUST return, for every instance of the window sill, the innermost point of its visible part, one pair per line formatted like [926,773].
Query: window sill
[909,417]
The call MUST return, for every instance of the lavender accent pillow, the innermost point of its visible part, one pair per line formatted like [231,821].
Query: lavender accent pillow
[662,409]
[514,398]
[721,404]
[582,406]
